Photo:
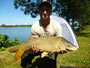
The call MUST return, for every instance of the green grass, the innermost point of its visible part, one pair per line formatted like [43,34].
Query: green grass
[7,60]
[79,58]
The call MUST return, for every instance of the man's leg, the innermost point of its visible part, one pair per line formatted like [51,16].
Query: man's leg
[49,62]
[26,60]
[56,60]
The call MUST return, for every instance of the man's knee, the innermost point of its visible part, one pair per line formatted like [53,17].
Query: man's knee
[26,60]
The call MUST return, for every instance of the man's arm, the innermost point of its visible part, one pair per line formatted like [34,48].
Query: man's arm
[34,47]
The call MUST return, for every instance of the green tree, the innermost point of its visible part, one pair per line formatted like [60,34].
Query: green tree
[77,10]
[29,7]
[3,25]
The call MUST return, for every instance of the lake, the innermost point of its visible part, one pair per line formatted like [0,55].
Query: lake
[22,33]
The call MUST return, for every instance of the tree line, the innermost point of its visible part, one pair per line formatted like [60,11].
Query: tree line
[3,25]
[71,10]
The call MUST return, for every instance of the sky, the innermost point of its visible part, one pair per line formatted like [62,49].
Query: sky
[11,16]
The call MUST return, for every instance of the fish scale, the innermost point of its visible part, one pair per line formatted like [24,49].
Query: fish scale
[47,44]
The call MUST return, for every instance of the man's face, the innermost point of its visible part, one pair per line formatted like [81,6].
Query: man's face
[45,12]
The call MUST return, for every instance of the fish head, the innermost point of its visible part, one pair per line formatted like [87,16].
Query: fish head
[71,47]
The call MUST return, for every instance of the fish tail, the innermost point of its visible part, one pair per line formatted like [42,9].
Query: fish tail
[18,54]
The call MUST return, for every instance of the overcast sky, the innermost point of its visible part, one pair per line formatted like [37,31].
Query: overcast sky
[10,16]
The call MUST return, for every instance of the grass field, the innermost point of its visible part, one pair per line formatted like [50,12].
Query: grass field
[79,58]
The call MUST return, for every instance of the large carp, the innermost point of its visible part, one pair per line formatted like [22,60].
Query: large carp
[47,44]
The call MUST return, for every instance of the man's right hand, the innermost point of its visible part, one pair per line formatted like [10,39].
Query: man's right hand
[36,49]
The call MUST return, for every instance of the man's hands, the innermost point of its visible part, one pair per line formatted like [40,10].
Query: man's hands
[61,51]
[36,49]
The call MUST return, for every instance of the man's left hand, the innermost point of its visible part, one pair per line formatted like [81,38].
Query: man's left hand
[61,51]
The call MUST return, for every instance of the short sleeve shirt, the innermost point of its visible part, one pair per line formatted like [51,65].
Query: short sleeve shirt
[53,29]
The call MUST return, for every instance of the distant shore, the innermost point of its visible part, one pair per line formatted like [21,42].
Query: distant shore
[15,26]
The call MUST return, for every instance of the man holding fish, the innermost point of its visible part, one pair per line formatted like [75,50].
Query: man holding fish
[43,28]
[46,41]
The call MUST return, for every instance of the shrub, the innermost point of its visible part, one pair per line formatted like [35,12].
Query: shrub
[5,43]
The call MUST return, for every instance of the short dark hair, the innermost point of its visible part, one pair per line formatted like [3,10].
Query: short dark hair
[45,3]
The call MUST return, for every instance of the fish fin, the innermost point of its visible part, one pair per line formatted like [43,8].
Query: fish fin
[44,54]
[31,36]
[18,54]
[14,49]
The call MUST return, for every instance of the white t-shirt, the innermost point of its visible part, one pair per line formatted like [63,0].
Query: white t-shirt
[53,29]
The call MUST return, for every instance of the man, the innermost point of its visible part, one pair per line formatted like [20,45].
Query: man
[43,28]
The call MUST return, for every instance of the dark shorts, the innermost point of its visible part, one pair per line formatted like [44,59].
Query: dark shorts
[46,62]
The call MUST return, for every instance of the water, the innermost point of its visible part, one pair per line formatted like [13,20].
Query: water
[22,33]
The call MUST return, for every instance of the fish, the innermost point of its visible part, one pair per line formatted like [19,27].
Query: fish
[47,44]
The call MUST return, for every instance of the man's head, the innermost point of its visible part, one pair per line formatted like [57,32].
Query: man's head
[45,9]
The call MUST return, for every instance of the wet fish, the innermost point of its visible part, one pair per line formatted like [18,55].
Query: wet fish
[47,44]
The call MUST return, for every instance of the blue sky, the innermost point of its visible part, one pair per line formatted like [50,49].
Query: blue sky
[10,16]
